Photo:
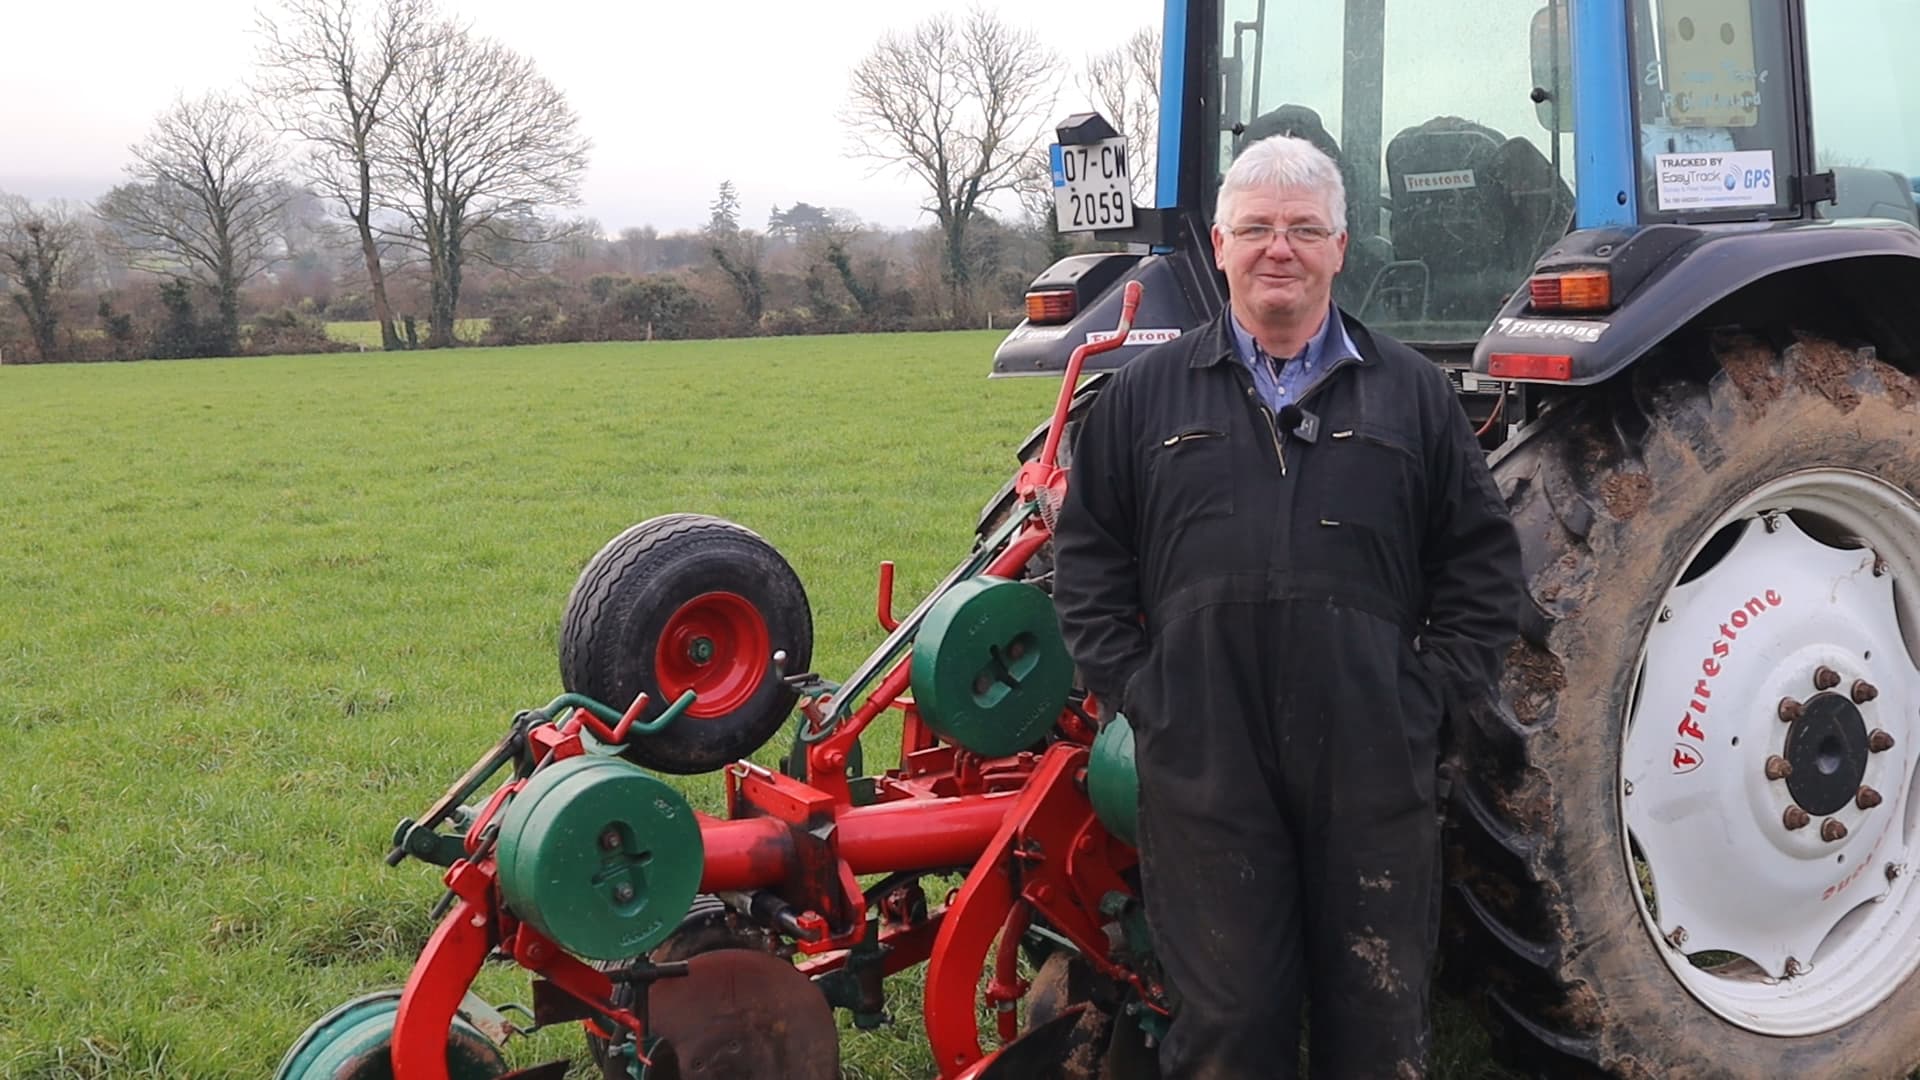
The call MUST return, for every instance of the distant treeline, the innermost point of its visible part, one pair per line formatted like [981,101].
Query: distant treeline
[386,163]
[812,271]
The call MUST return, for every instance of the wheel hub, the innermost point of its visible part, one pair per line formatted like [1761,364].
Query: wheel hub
[1766,771]
[1827,754]
[717,645]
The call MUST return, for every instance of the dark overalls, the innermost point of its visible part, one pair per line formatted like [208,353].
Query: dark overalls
[1311,606]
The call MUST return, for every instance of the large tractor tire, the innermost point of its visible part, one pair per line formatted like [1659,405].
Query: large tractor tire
[1684,847]
[687,601]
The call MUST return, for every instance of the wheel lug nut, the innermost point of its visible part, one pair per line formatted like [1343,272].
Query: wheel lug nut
[610,840]
[1879,741]
[1795,818]
[1778,768]
[1790,710]
[1864,691]
[1866,798]
[1825,678]
[1833,829]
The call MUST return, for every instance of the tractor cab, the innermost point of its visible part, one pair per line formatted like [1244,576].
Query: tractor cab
[1456,179]
[1474,135]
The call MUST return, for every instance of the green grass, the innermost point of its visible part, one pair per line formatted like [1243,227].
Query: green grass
[367,334]
[255,611]
[258,610]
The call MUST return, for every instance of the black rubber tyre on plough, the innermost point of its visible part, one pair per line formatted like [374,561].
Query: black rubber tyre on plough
[688,601]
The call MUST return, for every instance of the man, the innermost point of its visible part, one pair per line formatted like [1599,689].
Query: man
[1282,556]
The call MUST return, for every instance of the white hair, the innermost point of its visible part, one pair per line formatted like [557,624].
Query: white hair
[1289,165]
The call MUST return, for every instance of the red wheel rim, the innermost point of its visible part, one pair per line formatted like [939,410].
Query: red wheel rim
[716,645]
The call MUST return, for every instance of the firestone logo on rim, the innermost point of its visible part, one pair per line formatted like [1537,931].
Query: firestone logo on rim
[1687,756]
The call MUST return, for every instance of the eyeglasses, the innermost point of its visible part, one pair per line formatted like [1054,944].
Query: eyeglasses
[1299,236]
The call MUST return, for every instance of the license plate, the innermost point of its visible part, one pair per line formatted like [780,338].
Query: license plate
[1092,187]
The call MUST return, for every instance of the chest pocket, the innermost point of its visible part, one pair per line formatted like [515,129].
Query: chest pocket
[1190,473]
[1364,477]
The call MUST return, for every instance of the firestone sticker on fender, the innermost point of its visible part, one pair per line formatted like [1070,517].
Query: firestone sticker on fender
[1572,330]
[1137,337]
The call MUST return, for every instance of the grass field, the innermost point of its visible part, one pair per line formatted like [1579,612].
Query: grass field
[258,610]
[367,333]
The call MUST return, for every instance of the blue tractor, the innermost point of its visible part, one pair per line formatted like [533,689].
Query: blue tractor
[1669,252]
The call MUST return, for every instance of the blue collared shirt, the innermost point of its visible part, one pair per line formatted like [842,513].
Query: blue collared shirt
[1280,382]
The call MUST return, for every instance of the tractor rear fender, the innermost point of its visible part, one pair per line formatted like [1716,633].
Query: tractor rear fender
[1857,279]
[1181,291]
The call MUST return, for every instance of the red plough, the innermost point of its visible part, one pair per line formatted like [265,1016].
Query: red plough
[692,945]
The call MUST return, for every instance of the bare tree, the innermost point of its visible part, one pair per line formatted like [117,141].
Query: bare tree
[328,70]
[960,106]
[638,250]
[40,247]
[204,201]
[1124,83]
[479,142]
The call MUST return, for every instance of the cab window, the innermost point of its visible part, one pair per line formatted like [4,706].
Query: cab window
[1457,179]
[1715,109]
[1864,70]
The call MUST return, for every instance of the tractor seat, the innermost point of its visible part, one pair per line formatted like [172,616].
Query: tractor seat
[1446,211]
[1472,210]
[1365,254]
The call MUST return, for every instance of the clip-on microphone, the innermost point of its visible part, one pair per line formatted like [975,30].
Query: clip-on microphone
[1304,425]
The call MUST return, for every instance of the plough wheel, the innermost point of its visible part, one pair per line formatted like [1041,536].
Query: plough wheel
[689,602]
[740,1013]
[355,1042]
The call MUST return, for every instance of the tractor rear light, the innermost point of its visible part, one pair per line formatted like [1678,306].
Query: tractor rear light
[1527,366]
[1576,290]
[1052,305]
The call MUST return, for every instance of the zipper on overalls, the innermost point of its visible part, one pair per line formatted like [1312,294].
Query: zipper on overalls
[1273,430]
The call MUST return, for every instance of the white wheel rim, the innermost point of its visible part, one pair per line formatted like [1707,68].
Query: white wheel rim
[1822,920]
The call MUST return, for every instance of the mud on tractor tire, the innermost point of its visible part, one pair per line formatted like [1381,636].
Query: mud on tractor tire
[687,601]
[1684,852]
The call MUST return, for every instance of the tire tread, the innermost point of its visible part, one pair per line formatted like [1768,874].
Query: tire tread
[1508,846]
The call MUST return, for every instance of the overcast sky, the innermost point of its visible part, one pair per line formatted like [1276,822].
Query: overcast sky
[677,95]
